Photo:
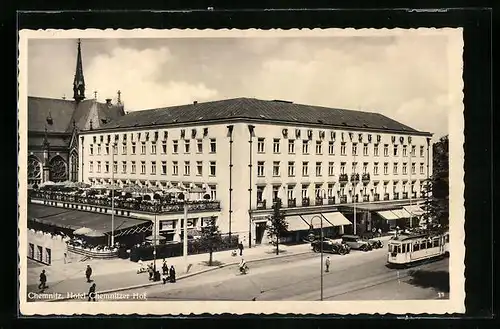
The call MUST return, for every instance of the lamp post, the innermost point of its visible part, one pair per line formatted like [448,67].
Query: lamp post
[321,250]
[113,194]
[185,240]
[156,209]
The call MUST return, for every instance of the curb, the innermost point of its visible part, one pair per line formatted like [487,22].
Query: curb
[185,276]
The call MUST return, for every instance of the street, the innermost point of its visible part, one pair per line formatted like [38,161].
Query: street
[357,276]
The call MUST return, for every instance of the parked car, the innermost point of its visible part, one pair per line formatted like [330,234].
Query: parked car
[375,243]
[330,246]
[355,242]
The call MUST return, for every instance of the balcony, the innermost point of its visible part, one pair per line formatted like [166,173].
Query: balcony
[292,203]
[343,199]
[405,195]
[318,201]
[305,202]
[343,178]
[261,204]
[365,178]
[366,198]
[331,200]
[396,196]
[386,197]
[376,197]
[355,178]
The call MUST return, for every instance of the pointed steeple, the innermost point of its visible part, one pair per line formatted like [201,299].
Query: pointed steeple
[79,82]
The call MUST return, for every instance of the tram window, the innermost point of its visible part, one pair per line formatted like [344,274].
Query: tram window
[423,245]
[447,238]
[435,243]
[399,249]
[416,247]
[404,248]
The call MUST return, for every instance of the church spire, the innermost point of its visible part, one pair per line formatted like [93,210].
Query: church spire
[79,82]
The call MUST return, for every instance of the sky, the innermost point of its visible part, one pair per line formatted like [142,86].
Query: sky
[404,77]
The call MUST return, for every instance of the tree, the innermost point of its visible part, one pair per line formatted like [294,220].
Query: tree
[436,189]
[211,238]
[277,225]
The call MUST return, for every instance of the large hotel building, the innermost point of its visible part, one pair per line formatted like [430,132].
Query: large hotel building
[334,166]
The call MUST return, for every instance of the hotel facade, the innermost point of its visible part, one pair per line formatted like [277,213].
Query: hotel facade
[329,167]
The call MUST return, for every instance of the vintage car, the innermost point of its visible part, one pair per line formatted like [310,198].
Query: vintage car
[330,246]
[355,242]
[375,243]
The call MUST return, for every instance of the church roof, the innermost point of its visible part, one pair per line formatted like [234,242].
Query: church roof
[64,112]
[251,108]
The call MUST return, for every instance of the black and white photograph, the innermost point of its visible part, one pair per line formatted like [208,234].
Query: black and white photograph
[241,171]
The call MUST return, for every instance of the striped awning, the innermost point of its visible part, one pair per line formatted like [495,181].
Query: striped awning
[401,213]
[387,214]
[414,210]
[296,223]
[336,218]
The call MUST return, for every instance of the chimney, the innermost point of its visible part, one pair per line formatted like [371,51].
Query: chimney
[108,101]
[195,102]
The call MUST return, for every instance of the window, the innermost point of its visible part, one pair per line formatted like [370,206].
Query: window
[330,190]
[422,168]
[164,147]
[375,150]
[342,168]
[276,145]
[213,192]
[124,167]
[413,150]
[342,148]
[106,167]
[106,149]
[404,151]
[365,149]
[289,192]
[331,148]
[187,146]
[305,168]
[421,151]
[395,150]
[212,168]
[395,168]
[175,168]
[413,168]
[260,168]
[386,150]
[133,169]
[291,146]
[260,145]
[48,256]
[153,147]
[291,168]
[175,146]
[213,145]
[319,147]
[354,148]
[199,145]
[133,147]
[124,148]
[164,167]
[91,166]
[365,168]
[318,169]
[404,169]
[276,168]
[375,168]
[115,167]
[187,168]
[331,169]
[386,168]
[305,147]
[199,168]
[143,167]
[91,149]
[153,167]
[143,147]
[115,149]
[99,149]
[304,191]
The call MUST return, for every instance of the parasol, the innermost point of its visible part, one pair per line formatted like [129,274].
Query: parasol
[94,234]
[82,231]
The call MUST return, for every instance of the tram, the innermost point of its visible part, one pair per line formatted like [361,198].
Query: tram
[409,248]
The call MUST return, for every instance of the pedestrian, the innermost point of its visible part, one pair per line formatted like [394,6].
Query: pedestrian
[43,280]
[65,258]
[164,277]
[240,247]
[92,293]
[164,267]
[88,273]
[172,274]
[327,264]
[379,232]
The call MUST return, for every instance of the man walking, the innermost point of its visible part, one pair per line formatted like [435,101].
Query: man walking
[240,247]
[88,273]
[92,293]
[43,281]
[327,264]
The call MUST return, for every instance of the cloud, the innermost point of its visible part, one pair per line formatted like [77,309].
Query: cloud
[138,74]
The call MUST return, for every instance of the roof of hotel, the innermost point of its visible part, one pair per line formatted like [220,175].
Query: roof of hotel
[255,109]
